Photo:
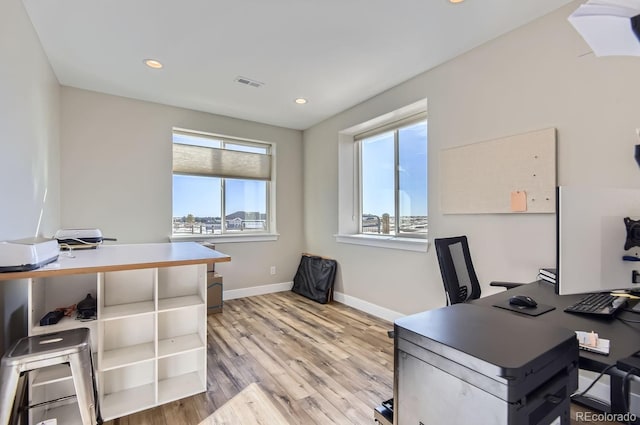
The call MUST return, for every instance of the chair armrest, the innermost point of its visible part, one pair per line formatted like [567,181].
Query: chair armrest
[507,285]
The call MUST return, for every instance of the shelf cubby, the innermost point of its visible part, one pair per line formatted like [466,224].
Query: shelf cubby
[182,321]
[181,386]
[180,286]
[127,341]
[127,389]
[181,375]
[126,293]
[49,293]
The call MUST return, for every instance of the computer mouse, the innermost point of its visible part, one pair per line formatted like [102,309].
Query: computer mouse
[523,301]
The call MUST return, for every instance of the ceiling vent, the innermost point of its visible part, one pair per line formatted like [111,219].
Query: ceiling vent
[249,82]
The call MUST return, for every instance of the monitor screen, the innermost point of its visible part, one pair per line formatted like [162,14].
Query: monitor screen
[592,237]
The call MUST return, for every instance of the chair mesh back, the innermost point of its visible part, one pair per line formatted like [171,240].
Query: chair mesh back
[458,275]
[460,266]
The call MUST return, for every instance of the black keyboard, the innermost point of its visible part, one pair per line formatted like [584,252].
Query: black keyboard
[599,304]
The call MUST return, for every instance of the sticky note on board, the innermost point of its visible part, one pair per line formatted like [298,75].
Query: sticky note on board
[518,201]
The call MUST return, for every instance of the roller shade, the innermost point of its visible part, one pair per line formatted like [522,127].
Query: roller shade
[214,162]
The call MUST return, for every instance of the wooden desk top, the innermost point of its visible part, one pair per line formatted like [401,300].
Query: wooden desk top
[123,257]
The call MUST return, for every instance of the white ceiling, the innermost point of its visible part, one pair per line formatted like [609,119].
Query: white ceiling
[335,53]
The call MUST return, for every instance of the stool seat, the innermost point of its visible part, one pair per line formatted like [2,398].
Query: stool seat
[70,347]
[47,346]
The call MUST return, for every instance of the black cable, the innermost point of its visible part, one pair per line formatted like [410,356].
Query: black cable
[605,370]
[625,392]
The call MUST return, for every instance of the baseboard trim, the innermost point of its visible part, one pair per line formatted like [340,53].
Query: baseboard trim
[367,307]
[256,290]
[357,303]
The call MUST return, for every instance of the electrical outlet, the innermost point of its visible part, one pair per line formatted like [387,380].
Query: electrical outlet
[273,270]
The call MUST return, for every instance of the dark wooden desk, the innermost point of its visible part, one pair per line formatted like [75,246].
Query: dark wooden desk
[624,337]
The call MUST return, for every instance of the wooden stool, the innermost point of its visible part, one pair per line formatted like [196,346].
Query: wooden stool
[71,347]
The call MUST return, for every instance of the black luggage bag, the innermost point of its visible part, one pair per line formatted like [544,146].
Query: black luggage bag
[314,278]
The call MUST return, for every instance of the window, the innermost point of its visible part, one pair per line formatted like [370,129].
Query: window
[393,179]
[382,175]
[221,185]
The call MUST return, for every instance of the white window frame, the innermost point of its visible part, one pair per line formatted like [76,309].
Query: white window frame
[349,211]
[250,236]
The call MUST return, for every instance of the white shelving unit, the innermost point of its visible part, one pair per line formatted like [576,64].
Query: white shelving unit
[149,338]
[144,317]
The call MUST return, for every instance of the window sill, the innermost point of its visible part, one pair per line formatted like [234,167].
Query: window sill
[247,237]
[392,242]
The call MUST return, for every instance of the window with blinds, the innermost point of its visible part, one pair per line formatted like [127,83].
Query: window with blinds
[221,184]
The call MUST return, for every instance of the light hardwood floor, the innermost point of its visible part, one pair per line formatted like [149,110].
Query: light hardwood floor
[319,364]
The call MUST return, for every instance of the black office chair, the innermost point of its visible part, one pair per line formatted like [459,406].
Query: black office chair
[458,275]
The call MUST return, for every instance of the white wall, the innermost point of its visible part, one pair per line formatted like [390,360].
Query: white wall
[116,175]
[535,77]
[29,150]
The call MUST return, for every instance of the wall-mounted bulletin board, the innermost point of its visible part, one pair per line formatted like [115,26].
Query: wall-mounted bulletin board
[515,174]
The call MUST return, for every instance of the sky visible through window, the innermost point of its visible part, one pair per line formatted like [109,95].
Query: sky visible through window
[201,196]
[377,172]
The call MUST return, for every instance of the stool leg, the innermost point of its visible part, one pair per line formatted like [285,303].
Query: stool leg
[96,397]
[82,373]
[22,400]
[9,376]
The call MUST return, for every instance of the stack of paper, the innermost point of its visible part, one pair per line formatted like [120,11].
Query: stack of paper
[606,26]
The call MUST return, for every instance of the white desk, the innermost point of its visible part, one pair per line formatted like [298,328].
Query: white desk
[150,336]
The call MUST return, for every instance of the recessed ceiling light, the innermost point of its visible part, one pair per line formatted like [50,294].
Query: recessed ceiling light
[455,1]
[301,101]
[152,63]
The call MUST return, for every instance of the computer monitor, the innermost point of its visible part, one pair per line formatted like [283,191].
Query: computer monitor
[591,237]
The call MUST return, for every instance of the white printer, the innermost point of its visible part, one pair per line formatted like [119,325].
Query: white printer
[27,254]
[79,238]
